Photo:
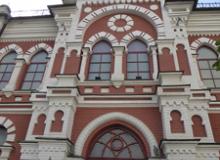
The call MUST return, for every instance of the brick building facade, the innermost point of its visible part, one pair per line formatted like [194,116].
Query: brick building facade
[110,80]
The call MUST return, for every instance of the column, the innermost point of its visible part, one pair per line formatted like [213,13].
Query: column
[118,74]
[83,63]
[155,61]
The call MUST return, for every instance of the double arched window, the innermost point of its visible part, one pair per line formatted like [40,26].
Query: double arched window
[100,63]
[206,58]
[138,61]
[35,71]
[7,65]
[116,142]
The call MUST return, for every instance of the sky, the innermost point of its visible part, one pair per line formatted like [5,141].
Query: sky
[20,5]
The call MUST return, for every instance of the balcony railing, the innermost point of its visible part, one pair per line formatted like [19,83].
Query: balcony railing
[26,13]
[208,5]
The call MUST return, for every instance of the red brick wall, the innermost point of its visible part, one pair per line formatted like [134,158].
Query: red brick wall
[72,65]
[166,61]
[58,62]
[215,124]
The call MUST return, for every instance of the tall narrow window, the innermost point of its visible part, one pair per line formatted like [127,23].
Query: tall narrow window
[35,71]
[7,65]
[3,134]
[137,61]
[206,58]
[117,143]
[100,64]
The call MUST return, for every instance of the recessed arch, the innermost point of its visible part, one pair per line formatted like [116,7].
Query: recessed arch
[203,41]
[101,36]
[90,128]
[145,13]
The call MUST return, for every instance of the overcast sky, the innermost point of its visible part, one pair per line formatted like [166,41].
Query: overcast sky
[16,5]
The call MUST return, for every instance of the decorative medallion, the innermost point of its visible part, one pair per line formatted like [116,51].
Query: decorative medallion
[120,23]
[154,7]
[87,9]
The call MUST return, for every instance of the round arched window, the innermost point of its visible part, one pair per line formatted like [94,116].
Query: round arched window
[116,143]
[3,135]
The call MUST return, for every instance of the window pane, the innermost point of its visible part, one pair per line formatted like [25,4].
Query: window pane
[96,58]
[124,154]
[32,68]
[105,68]
[106,58]
[137,45]
[108,153]
[97,150]
[131,75]
[92,76]
[132,67]
[9,58]
[217,83]
[10,68]
[136,151]
[3,135]
[40,57]
[6,77]
[209,83]
[3,84]
[3,68]
[105,138]
[142,57]
[26,85]
[144,75]
[206,74]
[29,77]
[38,76]
[94,68]
[35,85]
[132,57]
[1,75]
[102,46]
[143,67]
[206,53]
[41,67]
[216,74]
[105,76]
[211,63]
[203,65]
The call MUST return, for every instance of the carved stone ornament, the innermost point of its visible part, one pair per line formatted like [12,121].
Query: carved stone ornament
[120,23]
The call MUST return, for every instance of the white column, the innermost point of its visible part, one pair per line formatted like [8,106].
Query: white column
[118,74]
[11,86]
[155,62]
[83,63]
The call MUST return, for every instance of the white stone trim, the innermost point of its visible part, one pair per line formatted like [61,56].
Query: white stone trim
[123,8]
[87,131]
[9,125]
[101,36]
[202,41]
[35,49]
[137,35]
[9,48]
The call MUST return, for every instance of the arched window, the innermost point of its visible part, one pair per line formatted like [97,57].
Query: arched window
[100,64]
[35,71]
[117,143]
[206,58]
[7,65]
[3,134]
[138,61]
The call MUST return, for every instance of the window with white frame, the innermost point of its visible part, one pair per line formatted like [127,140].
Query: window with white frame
[206,58]
[7,65]
[138,61]
[100,62]
[35,71]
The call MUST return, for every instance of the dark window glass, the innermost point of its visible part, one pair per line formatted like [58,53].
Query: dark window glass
[117,143]
[137,61]
[206,58]
[100,64]
[7,65]
[3,135]
[35,71]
